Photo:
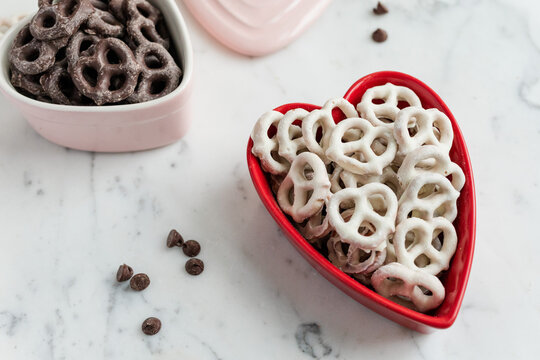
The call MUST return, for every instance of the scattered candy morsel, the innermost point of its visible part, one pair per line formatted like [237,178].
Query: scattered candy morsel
[139,282]
[379,35]
[151,326]
[194,266]
[380,9]
[124,273]
[174,239]
[191,248]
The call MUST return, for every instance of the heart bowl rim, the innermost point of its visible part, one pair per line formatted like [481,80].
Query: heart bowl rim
[363,294]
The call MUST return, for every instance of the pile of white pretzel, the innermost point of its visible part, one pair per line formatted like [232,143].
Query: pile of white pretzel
[378,188]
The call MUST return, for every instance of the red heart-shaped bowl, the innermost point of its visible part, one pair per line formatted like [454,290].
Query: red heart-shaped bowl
[455,280]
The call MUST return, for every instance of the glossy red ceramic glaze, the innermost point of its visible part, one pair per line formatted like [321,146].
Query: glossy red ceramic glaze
[455,280]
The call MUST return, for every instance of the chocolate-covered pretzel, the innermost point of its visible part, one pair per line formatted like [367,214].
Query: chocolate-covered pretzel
[58,85]
[100,4]
[60,19]
[108,73]
[32,56]
[102,22]
[160,75]
[80,44]
[28,83]
[145,23]
[118,9]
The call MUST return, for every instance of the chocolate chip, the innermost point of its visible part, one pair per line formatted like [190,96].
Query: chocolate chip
[194,266]
[191,248]
[124,273]
[379,35]
[151,326]
[139,282]
[380,9]
[174,239]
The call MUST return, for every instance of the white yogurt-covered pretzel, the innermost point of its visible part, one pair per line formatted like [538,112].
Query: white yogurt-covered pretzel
[385,114]
[341,179]
[323,119]
[316,227]
[306,187]
[427,196]
[265,147]
[416,126]
[290,139]
[358,156]
[354,260]
[397,280]
[415,164]
[419,253]
[374,205]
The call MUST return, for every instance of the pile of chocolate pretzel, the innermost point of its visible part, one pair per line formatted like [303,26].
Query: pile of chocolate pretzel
[94,52]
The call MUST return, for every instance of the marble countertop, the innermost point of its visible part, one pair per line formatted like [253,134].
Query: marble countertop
[69,218]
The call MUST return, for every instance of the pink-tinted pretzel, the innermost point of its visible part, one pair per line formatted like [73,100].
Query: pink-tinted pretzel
[108,74]
[59,19]
[32,56]
[352,259]
[408,287]
[159,76]
[316,227]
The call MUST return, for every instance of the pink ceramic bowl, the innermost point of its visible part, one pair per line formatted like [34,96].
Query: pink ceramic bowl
[112,128]
[455,280]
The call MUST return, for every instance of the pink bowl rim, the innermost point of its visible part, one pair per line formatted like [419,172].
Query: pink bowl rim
[178,31]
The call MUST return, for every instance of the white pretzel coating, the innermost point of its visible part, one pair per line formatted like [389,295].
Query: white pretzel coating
[309,190]
[265,147]
[341,179]
[358,156]
[388,110]
[410,253]
[390,250]
[316,227]
[323,119]
[356,260]
[414,165]
[368,200]
[396,280]
[427,196]
[432,128]
[289,136]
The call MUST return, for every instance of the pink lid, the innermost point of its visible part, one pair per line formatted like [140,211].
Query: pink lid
[256,27]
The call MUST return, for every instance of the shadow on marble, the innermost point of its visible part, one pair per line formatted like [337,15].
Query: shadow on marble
[300,289]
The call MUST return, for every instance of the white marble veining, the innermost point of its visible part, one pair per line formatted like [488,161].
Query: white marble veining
[69,218]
